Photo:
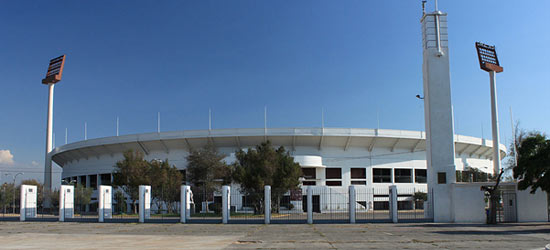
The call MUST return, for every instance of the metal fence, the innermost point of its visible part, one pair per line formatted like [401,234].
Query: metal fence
[246,207]
[373,205]
[330,205]
[413,205]
[288,207]
[206,207]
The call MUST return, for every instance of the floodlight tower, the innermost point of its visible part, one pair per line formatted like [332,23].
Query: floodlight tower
[55,71]
[438,114]
[488,61]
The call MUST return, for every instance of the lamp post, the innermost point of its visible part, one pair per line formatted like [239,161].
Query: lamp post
[4,200]
[53,75]
[488,61]
[15,176]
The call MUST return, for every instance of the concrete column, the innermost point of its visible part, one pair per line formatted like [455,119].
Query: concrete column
[27,205]
[226,203]
[105,198]
[352,204]
[144,203]
[49,132]
[98,181]
[87,208]
[267,204]
[495,125]
[185,203]
[438,113]
[393,203]
[66,202]
[309,205]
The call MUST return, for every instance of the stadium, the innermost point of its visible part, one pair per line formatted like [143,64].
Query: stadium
[332,159]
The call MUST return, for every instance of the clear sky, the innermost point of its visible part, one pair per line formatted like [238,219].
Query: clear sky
[354,59]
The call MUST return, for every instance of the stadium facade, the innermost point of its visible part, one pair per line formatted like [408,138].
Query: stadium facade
[331,158]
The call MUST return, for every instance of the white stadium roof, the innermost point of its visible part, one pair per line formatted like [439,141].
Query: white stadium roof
[344,138]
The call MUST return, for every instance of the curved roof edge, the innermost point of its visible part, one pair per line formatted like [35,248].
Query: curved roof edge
[243,137]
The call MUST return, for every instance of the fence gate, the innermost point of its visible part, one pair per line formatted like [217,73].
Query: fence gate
[413,205]
[507,208]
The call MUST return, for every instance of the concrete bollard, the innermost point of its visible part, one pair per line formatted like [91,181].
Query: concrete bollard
[144,203]
[105,208]
[66,202]
[185,198]
[226,203]
[393,203]
[309,205]
[27,205]
[352,202]
[267,204]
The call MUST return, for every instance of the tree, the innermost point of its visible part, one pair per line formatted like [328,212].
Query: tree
[533,162]
[120,200]
[263,166]
[165,183]
[207,171]
[83,196]
[7,197]
[131,172]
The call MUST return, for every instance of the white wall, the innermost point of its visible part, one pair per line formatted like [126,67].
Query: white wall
[532,207]
[468,203]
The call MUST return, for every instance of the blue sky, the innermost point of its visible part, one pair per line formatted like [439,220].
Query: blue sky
[354,59]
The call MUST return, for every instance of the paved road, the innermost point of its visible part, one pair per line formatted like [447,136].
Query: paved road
[55,235]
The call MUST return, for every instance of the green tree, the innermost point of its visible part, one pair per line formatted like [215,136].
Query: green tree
[131,172]
[165,183]
[54,199]
[533,162]
[7,197]
[120,200]
[207,171]
[263,166]
[83,196]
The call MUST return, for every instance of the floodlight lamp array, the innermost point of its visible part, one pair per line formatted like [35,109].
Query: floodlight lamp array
[488,59]
[55,70]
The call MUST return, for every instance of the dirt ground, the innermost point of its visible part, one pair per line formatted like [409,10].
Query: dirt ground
[57,235]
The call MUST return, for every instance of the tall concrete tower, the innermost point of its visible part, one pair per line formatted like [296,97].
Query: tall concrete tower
[438,114]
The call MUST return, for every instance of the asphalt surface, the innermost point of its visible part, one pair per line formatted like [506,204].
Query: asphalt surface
[69,235]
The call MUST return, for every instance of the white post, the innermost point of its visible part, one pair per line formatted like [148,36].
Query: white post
[49,132]
[66,202]
[393,203]
[144,203]
[27,207]
[185,207]
[352,202]
[105,203]
[225,203]
[494,123]
[267,204]
[309,205]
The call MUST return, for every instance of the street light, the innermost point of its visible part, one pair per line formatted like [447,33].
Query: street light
[15,176]
[488,61]
[53,76]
